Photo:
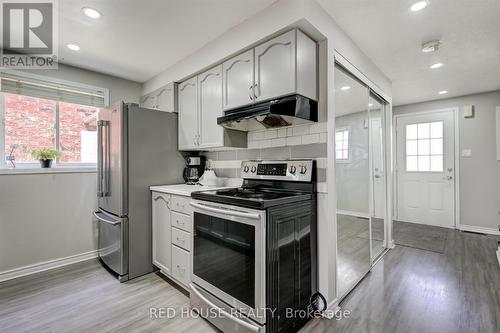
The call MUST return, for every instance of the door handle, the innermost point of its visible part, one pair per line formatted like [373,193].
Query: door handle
[448,178]
[96,215]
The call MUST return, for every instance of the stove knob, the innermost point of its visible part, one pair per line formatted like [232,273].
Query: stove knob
[303,170]
[254,168]
[293,169]
[246,168]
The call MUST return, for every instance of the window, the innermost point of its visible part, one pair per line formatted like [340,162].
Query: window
[424,147]
[342,144]
[41,114]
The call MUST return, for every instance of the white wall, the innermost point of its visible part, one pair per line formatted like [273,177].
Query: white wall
[479,174]
[311,18]
[45,217]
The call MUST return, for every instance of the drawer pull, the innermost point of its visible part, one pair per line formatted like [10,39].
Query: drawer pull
[181,240]
[181,269]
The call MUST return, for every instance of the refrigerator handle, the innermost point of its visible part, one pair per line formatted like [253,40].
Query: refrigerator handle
[100,161]
[107,159]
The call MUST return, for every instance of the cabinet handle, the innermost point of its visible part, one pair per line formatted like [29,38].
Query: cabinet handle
[250,93]
[181,269]
[255,87]
[182,240]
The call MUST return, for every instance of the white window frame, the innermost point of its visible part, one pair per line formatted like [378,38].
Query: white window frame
[49,80]
[349,152]
[418,155]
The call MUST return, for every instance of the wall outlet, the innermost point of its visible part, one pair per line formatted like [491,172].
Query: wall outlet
[466,152]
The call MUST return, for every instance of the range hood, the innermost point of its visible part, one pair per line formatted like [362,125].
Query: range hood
[285,111]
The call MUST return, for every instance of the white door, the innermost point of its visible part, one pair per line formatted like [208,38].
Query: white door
[377,165]
[162,252]
[238,80]
[188,114]
[275,67]
[210,107]
[165,98]
[426,168]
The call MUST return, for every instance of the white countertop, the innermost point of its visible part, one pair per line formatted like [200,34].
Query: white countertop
[185,190]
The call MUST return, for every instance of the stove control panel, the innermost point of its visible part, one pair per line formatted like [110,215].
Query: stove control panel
[289,170]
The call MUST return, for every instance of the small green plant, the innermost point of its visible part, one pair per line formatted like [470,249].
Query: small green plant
[45,154]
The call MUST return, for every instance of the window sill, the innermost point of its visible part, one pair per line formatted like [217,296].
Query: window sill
[32,171]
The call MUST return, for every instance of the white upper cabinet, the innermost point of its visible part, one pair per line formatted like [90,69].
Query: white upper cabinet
[238,80]
[188,114]
[148,101]
[275,67]
[163,99]
[210,107]
[166,98]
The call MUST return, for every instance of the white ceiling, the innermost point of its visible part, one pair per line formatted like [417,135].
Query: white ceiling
[391,36]
[138,39]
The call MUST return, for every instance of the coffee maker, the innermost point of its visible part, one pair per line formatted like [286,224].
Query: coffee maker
[194,169]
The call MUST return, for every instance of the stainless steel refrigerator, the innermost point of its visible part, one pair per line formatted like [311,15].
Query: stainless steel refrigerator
[137,148]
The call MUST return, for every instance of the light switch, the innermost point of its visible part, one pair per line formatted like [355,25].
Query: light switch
[468,111]
[466,152]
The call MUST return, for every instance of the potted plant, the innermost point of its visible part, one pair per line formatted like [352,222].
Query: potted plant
[45,156]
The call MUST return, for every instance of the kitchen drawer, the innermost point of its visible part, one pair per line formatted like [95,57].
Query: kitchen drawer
[181,204]
[181,265]
[182,221]
[181,238]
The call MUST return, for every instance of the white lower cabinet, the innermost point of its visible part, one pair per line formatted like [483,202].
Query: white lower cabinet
[162,231]
[172,236]
[181,265]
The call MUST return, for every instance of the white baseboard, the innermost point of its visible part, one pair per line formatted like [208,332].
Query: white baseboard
[332,309]
[46,265]
[352,213]
[481,230]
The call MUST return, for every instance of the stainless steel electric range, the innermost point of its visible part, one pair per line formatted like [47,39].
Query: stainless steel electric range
[254,249]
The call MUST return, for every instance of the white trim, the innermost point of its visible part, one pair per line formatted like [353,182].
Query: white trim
[34,171]
[331,309]
[497,114]
[353,213]
[480,230]
[46,265]
[456,159]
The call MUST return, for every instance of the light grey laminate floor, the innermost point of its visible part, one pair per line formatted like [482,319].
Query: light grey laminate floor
[409,290]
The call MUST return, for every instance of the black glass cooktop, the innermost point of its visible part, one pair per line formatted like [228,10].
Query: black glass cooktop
[251,197]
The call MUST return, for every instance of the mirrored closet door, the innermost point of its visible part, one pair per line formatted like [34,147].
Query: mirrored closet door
[360,179]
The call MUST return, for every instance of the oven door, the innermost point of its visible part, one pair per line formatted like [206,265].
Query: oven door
[229,255]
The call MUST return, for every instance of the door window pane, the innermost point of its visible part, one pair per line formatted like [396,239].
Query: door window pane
[424,147]
[29,125]
[78,133]
[342,144]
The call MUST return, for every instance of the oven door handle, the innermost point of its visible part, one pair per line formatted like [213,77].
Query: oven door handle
[225,211]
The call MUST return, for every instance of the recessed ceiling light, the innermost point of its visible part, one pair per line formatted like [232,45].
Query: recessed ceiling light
[419,5]
[91,12]
[436,65]
[73,47]
[431,46]
[345,88]
[443,92]
[370,105]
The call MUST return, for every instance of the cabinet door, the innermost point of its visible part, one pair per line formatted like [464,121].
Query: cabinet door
[188,114]
[162,250]
[148,101]
[238,79]
[210,107]
[275,67]
[165,98]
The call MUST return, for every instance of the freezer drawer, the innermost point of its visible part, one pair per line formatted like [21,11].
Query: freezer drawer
[113,242]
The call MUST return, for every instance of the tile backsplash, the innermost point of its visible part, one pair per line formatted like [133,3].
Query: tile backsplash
[303,141]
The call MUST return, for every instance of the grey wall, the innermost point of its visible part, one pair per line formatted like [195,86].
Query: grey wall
[479,174]
[353,177]
[45,217]
[49,216]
